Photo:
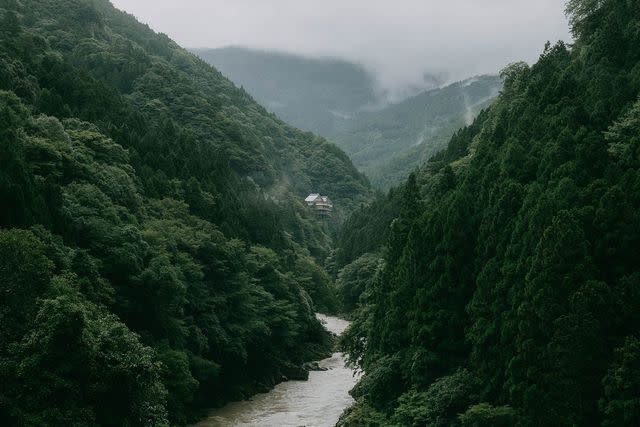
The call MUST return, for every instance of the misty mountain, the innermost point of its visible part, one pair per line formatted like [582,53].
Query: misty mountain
[388,144]
[343,102]
[314,94]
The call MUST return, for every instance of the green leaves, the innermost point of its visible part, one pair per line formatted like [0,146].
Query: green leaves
[439,405]
[72,339]
[355,278]
[621,404]
[170,254]
[514,252]
[580,11]
[624,138]
[487,415]
[25,273]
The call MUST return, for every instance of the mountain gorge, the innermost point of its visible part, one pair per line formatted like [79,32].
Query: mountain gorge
[167,260]
[343,101]
[158,258]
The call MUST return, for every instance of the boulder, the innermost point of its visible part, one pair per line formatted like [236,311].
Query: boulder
[313,366]
[293,372]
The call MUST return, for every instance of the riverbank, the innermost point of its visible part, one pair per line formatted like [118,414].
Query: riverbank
[317,402]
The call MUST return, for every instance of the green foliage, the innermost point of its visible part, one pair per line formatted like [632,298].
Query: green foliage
[360,414]
[580,11]
[621,403]
[486,415]
[382,382]
[367,229]
[513,253]
[20,287]
[353,342]
[624,138]
[152,221]
[355,278]
[315,280]
[439,405]
[121,382]
[339,100]
[42,319]
[390,143]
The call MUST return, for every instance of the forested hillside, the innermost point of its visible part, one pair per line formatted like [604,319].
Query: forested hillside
[315,94]
[344,102]
[387,145]
[156,255]
[507,287]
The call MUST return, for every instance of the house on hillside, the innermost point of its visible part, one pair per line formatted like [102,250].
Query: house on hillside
[321,204]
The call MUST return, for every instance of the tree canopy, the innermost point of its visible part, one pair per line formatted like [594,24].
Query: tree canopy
[513,254]
[156,255]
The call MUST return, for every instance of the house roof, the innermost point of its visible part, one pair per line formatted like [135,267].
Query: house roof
[312,197]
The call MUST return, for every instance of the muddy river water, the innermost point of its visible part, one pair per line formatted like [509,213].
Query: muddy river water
[317,402]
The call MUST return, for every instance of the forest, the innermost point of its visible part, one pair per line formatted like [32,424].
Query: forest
[157,258]
[500,284]
[156,254]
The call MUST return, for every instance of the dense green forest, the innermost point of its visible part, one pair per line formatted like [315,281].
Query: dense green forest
[387,144]
[500,284]
[156,255]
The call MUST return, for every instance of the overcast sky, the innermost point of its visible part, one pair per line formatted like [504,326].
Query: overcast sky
[399,39]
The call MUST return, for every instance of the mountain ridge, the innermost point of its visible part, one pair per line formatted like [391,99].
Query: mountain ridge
[498,285]
[338,85]
[153,220]
[389,143]
[342,101]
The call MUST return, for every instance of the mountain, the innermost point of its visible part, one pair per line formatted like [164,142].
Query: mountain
[500,284]
[342,102]
[156,254]
[388,144]
[315,94]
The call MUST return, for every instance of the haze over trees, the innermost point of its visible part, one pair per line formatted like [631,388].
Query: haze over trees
[387,145]
[385,138]
[315,94]
[156,256]
[508,286]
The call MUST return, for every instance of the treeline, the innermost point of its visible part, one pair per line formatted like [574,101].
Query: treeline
[156,258]
[509,287]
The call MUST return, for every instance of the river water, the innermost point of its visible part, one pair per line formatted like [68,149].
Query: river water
[317,402]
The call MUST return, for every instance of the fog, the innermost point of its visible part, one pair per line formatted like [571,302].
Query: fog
[398,40]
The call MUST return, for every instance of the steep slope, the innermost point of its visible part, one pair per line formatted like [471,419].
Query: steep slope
[314,94]
[340,101]
[388,144]
[508,294]
[156,257]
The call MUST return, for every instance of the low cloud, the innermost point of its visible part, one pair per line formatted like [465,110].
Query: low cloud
[399,40]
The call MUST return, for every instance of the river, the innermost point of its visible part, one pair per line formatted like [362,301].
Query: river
[317,402]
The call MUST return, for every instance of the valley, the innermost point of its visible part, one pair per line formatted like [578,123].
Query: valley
[244,237]
[319,401]
[386,138]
